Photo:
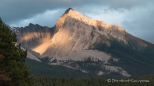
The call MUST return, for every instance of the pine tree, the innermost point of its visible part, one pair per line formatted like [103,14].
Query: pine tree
[13,71]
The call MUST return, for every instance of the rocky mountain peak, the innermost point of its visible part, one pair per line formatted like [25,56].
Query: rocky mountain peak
[30,24]
[69,9]
[73,14]
[72,33]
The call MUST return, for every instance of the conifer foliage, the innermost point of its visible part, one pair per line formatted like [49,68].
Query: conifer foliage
[13,71]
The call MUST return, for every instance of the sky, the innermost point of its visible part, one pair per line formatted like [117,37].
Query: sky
[135,16]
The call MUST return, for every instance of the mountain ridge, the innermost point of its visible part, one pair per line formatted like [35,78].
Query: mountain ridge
[90,46]
[76,15]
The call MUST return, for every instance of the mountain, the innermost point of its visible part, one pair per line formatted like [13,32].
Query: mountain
[88,45]
[32,36]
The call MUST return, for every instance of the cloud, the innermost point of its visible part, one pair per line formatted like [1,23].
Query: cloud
[15,10]
[127,4]
[108,16]
[48,18]
[136,16]
[139,22]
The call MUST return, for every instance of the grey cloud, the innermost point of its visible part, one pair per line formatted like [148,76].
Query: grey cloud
[47,18]
[127,4]
[142,26]
[15,10]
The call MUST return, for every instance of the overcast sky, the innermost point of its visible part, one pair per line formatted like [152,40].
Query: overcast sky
[135,16]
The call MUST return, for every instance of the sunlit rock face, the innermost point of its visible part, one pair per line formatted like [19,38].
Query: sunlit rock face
[32,36]
[73,20]
[75,32]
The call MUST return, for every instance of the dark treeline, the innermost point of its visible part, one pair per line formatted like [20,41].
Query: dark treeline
[63,81]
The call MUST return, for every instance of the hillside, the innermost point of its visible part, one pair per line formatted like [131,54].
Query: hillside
[42,69]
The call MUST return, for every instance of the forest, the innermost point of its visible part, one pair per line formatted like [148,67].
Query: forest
[63,81]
